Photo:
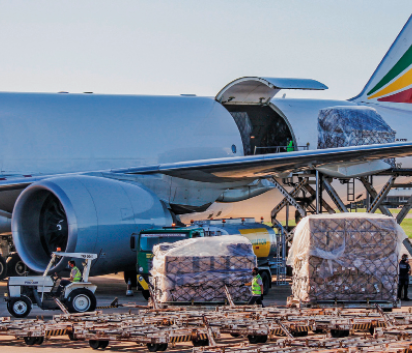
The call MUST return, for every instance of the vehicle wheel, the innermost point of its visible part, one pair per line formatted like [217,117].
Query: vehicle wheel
[146,294]
[263,339]
[103,344]
[235,335]
[339,333]
[153,347]
[300,334]
[372,330]
[3,268]
[94,344]
[162,347]
[318,331]
[39,340]
[253,339]
[19,307]
[80,301]
[200,343]
[387,310]
[30,341]
[15,266]
[266,282]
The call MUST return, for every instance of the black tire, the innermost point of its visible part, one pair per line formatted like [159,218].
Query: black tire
[15,266]
[146,294]
[266,282]
[201,343]
[253,339]
[263,339]
[152,347]
[19,307]
[30,341]
[318,331]
[300,333]
[387,310]
[162,347]
[3,268]
[94,344]
[371,330]
[39,340]
[235,335]
[80,301]
[339,333]
[103,344]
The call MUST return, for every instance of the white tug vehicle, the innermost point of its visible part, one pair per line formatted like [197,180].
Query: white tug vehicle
[43,291]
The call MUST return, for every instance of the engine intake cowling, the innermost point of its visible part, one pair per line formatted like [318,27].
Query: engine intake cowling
[84,214]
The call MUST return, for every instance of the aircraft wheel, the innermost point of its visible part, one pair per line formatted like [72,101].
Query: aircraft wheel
[3,268]
[19,307]
[16,266]
[80,301]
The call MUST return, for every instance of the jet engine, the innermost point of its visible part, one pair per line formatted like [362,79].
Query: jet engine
[84,214]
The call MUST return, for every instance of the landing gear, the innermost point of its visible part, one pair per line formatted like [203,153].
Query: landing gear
[3,268]
[15,266]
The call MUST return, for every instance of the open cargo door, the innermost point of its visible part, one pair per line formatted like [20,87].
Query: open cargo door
[260,90]
[263,128]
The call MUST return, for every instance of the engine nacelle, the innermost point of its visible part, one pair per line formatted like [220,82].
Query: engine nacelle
[84,214]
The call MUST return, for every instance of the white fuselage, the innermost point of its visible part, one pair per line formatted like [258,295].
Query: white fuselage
[69,133]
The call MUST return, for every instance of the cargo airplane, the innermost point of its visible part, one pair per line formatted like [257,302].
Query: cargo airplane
[87,172]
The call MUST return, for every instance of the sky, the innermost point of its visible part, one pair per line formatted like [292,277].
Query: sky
[193,46]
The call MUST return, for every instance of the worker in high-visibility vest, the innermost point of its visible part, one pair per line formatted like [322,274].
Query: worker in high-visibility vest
[257,288]
[289,147]
[75,276]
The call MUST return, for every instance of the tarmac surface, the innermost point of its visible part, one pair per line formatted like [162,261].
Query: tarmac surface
[109,287]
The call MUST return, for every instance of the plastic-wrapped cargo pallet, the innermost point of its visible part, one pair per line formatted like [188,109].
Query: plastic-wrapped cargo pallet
[198,269]
[346,257]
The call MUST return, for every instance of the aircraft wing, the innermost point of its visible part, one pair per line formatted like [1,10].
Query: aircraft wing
[274,164]
[256,166]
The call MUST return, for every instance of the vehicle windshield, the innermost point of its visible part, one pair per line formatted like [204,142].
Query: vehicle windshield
[147,241]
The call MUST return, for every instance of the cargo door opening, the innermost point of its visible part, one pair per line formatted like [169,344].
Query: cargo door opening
[262,129]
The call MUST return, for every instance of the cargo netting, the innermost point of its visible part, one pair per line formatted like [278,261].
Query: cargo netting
[346,257]
[199,269]
[353,126]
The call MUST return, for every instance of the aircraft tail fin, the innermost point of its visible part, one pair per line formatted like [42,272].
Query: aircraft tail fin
[392,80]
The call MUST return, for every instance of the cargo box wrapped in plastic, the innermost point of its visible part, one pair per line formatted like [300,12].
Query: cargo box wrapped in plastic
[346,257]
[353,126]
[197,270]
